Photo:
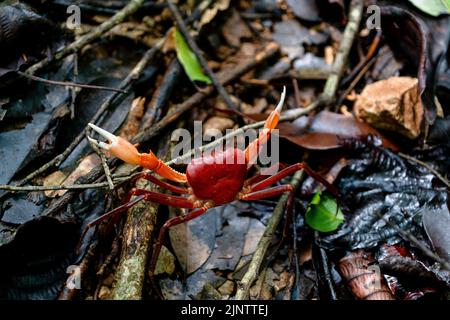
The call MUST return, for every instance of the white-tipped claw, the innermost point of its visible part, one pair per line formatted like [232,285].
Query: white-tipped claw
[105,134]
[281,103]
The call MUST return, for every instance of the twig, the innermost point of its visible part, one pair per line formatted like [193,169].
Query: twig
[104,164]
[96,33]
[59,187]
[340,62]
[266,239]
[193,46]
[74,91]
[69,84]
[426,166]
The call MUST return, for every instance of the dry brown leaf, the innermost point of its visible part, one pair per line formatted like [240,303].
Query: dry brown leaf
[324,131]
[393,104]
[217,124]
[53,179]
[283,282]
[85,166]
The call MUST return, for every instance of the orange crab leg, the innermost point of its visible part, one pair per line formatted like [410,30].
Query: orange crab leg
[127,152]
[254,148]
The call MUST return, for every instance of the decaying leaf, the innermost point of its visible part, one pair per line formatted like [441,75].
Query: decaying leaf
[166,262]
[53,179]
[210,13]
[393,104]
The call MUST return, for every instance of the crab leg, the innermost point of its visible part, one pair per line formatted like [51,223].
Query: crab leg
[290,170]
[165,185]
[162,233]
[127,152]
[267,193]
[254,148]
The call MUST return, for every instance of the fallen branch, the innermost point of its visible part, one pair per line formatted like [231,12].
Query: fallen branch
[340,62]
[428,167]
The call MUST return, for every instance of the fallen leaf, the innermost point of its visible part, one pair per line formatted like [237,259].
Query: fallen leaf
[53,179]
[194,241]
[85,166]
[324,131]
[422,41]
[323,213]
[166,262]
[253,236]
[189,60]
[131,127]
[217,124]
[393,104]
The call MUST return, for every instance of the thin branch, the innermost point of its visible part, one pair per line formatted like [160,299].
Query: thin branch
[59,187]
[426,166]
[193,46]
[96,33]
[260,252]
[104,164]
[68,84]
[340,62]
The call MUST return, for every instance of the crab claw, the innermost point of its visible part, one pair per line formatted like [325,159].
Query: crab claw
[116,146]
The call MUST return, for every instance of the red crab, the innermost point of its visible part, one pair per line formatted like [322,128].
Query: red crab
[209,180]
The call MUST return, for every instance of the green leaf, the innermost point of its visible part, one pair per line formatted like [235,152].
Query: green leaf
[188,60]
[432,7]
[323,214]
